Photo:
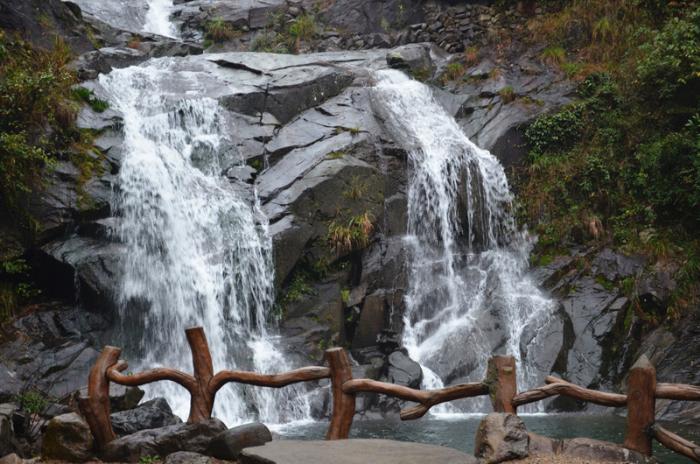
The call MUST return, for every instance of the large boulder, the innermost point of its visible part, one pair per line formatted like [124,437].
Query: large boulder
[404,370]
[149,415]
[67,438]
[229,444]
[501,437]
[164,441]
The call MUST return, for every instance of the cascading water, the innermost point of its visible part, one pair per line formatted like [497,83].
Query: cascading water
[198,252]
[157,18]
[469,294]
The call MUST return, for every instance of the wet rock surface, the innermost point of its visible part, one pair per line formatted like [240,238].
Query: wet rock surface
[352,451]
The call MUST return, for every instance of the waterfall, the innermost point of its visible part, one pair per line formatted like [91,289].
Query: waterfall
[469,295]
[157,18]
[198,249]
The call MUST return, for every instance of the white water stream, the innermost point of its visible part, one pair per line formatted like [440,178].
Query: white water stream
[469,294]
[198,251]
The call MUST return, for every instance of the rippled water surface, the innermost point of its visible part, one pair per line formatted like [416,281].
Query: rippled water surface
[459,431]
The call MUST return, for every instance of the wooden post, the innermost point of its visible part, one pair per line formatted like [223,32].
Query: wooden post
[502,383]
[343,403]
[641,388]
[202,399]
[95,408]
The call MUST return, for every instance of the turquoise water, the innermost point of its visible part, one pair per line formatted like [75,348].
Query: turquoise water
[458,431]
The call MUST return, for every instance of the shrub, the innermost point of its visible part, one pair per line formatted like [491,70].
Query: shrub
[303,28]
[507,94]
[553,55]
[352,235]
[669,68]
[453,71]
[555,133]
[218,31]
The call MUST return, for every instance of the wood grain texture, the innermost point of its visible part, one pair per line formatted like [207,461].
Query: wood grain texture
[641,391]
[95,407]
[343,403]
[304,374]
[502,382]
[675,443]
[426,398]
[556,386]
[677,391]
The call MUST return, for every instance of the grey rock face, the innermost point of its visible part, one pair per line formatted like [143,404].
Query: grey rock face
[229,444]
[53,355]
[501,437]
[67,438]
[149,415]
[163,441]
[404,371]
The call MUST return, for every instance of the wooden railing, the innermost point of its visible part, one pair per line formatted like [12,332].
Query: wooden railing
[500,384]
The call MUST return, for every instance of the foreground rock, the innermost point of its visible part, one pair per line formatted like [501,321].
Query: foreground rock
[163,441]
[501,437]
[229,444]
[353,451]
[67,438]
[149,415]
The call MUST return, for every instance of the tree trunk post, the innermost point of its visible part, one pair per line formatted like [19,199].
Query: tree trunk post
[95,407]
[502,382]
[202,401]
[641,389]
[343,403]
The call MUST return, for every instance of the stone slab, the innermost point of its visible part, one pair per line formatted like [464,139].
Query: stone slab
[353,451]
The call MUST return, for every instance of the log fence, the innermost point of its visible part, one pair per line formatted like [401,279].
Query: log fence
[499,384]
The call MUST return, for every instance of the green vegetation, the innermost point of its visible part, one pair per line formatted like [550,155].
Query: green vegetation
[453,71]
[280,37]
[335,155]
[356,189]
[622,162]
[345,296]
[507,94]
[37,119]
[16,287]
[553,55]
[87,96]
[350,235]
[219,31]
[149,459]
[32,401]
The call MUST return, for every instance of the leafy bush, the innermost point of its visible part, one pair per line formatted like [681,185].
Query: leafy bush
[555,133]
[669,68]
[36,118]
